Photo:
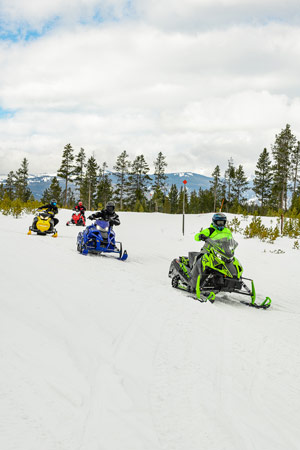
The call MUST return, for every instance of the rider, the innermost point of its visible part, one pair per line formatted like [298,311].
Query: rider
[218,225]
[49,207]
[80,208]
[107,214]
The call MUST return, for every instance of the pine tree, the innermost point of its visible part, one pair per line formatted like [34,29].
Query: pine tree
[46,197]
[79,169]
[296,201]
[66,169]
[282,151]
[53,192]
[194,204]
[167,205]
[121,169]
[10,185]
[173,198]
[160,178]
[262,181]
[2,191]
[229,177]
[21,182]
[70,198]
[89,185]
[104,188]
[206,200]
[295,163]
[240,185]
[215,184]
[138,180]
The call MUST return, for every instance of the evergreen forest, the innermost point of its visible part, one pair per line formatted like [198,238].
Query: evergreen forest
[275,184]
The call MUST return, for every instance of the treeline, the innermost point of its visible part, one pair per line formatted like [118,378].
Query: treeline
[133,190]
[276,183]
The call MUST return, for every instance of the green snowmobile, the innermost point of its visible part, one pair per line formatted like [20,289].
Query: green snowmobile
[218,270]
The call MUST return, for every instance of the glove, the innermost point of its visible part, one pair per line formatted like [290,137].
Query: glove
[91,217]
[203,237]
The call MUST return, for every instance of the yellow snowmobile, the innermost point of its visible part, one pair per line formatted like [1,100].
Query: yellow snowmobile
[43,223]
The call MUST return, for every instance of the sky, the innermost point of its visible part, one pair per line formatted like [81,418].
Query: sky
[200,81]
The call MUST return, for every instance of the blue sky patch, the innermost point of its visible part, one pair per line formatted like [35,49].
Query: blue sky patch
[7,113]
[24,32]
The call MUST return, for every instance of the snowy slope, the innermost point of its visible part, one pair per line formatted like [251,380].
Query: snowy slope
[98,354]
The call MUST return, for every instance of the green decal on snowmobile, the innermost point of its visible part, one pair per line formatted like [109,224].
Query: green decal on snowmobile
[183,263]
[214,261]
[253,295]
[198,292]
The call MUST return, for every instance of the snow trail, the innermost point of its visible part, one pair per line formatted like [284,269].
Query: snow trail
[102,354]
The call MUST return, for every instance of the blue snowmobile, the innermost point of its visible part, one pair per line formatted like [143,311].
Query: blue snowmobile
[100,238]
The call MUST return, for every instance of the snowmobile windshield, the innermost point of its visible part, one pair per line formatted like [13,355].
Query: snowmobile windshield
[102,225]
[44,215]
[224,244]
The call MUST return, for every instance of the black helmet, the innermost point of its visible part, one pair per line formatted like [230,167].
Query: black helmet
[219,221]
[53,202]
[110,207]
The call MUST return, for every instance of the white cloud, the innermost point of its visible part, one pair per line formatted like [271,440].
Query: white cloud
[188,15]
[197,97]
[193,15]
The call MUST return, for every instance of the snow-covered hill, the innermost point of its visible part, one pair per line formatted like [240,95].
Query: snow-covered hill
[101,354]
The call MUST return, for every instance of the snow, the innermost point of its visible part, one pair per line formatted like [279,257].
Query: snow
[98,354]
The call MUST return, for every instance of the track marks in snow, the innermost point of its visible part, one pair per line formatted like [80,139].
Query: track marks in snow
[216,385]
[190,373]
[114,358]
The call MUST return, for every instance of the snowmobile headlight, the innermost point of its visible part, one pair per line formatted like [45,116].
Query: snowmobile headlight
[219,255]
[101,229]
[228,260]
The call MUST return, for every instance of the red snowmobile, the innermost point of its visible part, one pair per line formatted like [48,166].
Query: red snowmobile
[78,219]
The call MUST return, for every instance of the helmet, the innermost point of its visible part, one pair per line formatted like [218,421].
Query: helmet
[79,203]
[219,221]
[110,207]
[53,202]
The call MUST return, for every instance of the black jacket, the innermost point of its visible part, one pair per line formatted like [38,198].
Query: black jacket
[49,207]
[113,218]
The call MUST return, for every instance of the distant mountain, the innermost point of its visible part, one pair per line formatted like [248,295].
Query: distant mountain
[39,182]
[194,180]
